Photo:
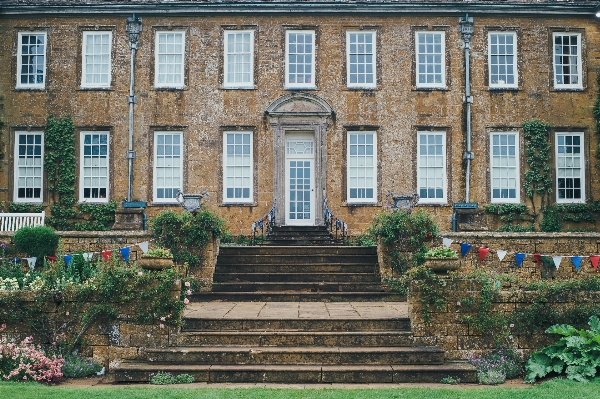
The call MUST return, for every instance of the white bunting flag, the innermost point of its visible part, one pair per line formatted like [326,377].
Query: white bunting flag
[557,260]
[143,246]
[31,262]
[87,256]
[501,254]
[447,242]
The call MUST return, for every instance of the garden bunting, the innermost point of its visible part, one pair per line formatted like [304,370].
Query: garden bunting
[537,258]
[125,253]
[68,259]
[594,259]
[447,242]
[501,254]
[576,261]
[519,258]
[143,246]
[482,253]
[31,262]
[88,256]
[464,248]
[557,260]
[106,254]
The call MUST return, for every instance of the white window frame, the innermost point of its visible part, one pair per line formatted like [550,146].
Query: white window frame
[373,63]
[157,54]
[579,84]
[226,167]
[16,170]
[502,84]
[373,167]
[494,172]
[84,64]
[226,57]
[82,167]
[155,186]
[442,54]
[311,85]
[581,167]
[36,85]
[444,198]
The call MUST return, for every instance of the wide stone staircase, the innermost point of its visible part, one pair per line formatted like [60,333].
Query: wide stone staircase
[297,313]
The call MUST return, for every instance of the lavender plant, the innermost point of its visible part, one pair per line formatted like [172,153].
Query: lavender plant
[495,366]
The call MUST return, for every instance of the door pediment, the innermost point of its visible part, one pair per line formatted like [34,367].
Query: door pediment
[299,104]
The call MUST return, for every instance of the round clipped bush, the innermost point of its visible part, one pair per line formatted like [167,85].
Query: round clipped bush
[36,241]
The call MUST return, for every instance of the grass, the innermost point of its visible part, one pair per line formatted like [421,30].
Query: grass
[557,388]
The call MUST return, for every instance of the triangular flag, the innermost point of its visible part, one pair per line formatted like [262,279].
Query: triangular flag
[594,259]
[68,259]
[87,256]
[557,260]
[519,258]
[106,255]
[447,242]
[501,254]
[482,253]
[576,261]
[125,253]
[143,246]
[537,258]
[31,262]
[464,248]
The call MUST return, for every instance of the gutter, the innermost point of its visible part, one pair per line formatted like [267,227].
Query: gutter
[309,8]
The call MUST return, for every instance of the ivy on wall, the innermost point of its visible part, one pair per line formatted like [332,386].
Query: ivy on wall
[1,134]
[537,151]
[596,111]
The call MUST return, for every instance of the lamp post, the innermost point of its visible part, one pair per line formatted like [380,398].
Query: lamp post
[134,27]
[466,29]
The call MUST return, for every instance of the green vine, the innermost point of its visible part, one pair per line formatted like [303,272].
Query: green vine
[537,150]
[97,217]
[1,134]
[596,112]
[430,290]
[60,166]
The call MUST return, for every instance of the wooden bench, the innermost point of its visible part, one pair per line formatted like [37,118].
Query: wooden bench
[14,221]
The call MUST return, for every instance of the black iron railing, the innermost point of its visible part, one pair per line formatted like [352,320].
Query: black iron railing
[337,227]
[263,225]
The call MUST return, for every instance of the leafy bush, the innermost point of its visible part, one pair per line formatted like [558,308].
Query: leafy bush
[162,378]
[36,241]
[25,362]
[159,252]
[441,253]
[495,366]
[77,367]
[577,353]
[450,380]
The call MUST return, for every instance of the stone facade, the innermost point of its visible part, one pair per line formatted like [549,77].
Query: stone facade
[202,109]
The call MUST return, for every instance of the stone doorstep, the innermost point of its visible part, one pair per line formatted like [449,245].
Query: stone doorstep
[277,324]
[281,296]
[131,372]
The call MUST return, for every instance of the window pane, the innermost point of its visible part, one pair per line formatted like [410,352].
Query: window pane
[431,166]
[430,59]
[96,59]
[299,58]
[361,60]
[361,164]
[502,59]
[569,172]
[237,169]
[167,163]
[169,59]
[32,67]
[28,170]
[503,164]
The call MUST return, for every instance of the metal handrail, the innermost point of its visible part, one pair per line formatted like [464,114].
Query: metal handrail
[333,222]
[266,222]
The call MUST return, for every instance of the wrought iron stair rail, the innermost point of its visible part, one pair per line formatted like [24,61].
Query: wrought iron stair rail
[264,224]
[335,225]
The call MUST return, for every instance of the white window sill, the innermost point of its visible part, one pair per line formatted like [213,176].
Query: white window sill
[238,87]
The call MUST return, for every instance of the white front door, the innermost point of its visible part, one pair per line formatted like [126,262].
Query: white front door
[299,179]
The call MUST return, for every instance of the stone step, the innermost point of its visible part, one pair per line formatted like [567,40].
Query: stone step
[298,268]
[295,233]
[296,374]
[297,250]
[295,355]
[296,277]
[298,296]
[300,228]
[293,259]
[295,338]
[274,324]
[297,287]
[299,241]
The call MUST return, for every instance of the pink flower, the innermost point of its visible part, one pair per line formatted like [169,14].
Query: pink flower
[189,292]
[458,303]
[512,325]
[186,301]
[187,284]
[162,319]
[140,273]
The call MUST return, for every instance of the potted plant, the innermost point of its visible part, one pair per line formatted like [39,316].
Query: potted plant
[156,259]
[442,260]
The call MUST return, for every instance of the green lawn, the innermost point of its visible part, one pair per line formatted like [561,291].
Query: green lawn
[560,389]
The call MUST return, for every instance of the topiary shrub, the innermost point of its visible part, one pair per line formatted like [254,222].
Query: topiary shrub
[36,241]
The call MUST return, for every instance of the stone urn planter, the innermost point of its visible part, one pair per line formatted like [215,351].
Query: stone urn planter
[155,262]
[442,265]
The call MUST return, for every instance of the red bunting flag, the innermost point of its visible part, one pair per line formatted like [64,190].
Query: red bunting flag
[594,259]
[482,253]
[106,255]
[537,258]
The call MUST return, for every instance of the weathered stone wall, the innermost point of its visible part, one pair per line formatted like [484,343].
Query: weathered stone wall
[447,329]
[203,109]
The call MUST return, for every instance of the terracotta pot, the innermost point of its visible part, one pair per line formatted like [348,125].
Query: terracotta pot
[155,263]
[442,265]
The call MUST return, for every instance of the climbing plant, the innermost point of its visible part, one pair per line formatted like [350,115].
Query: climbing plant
[60,166]
[596,112]
[537,152]
[1,134]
